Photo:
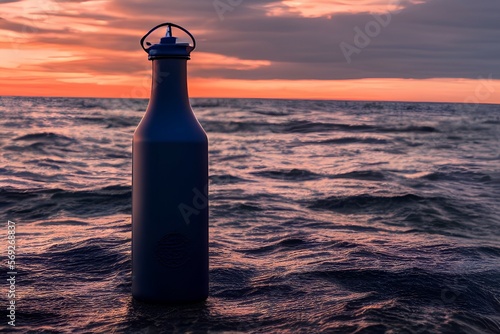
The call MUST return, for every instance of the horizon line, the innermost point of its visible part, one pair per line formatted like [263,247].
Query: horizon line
[253,98]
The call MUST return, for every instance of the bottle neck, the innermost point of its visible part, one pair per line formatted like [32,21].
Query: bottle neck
[169,86]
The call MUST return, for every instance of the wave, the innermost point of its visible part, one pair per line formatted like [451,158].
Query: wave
[353,204]
[270,112]
[68,222]
[45,136]
[36,204]
[307,127]
[348,140]
[291,175]
[457,176]
[310,127]
[413,128]
[367,175]
[235,127]
[42,142]
[412,213]
[111,122]
[282,245]
[96,257]
[225,179]
[374,105]
[209,103]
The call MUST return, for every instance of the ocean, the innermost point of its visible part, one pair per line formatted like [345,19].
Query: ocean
[325,216]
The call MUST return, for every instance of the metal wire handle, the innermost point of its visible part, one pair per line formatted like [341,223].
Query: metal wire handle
[170,25]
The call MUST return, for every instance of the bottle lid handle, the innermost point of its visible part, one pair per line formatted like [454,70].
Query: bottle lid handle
[169,34]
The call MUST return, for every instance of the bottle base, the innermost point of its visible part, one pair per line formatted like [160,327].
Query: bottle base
[160,301]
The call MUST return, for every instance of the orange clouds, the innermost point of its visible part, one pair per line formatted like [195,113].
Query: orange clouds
[320,8]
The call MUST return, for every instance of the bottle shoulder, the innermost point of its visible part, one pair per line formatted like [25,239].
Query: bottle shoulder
[170,126]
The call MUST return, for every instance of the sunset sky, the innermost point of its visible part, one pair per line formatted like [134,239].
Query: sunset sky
[414,50]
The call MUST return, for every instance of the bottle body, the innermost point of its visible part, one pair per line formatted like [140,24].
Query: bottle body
[169,195]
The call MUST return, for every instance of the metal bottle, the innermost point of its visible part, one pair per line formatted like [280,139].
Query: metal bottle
[169,184]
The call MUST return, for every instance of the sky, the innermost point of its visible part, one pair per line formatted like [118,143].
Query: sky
[391,50]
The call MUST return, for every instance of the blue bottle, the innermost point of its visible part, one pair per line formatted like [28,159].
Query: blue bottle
[169,185]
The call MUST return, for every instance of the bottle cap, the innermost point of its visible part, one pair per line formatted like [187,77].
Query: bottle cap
[168,47]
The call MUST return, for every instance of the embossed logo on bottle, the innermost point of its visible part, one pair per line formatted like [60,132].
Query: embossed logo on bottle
[173,250]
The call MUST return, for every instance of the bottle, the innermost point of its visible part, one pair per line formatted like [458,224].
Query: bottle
[169,184]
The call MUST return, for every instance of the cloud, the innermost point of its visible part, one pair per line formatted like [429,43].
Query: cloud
[433,39]
[22,28]
[425,39]
[320,8]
